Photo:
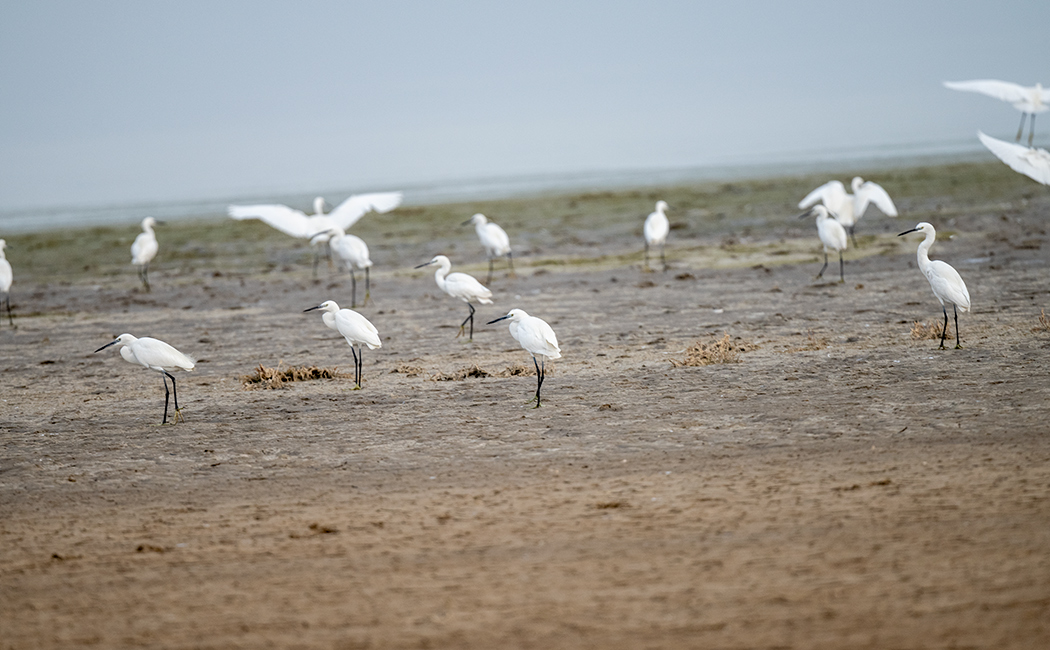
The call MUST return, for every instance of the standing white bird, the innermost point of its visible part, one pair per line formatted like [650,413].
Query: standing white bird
[494,239]
[655,230]
[537,338]
[1027,99]
[6,277]
[831,234]
[158,356]
[144,249]
[945,281]
[462,286]
[1033,163]
[355,328]
[849,208]
[316,227]
[352,251]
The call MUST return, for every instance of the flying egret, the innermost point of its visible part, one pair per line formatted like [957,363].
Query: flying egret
[355,328]
[1027,99]
[849,208]
[494,239]
[656,228]
[1033,163]
[462,286]
[537,338]
[144,249]
[317,226]
[6,276]
[945,281]
[831,234]
[155,355]
[352,251]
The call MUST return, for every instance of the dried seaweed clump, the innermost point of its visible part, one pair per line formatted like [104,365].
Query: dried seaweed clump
[1044,322]
[411,371]
[724,350]
[264,377]
[463,373]
[930,330]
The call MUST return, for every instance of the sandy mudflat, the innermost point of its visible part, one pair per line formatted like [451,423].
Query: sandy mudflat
[843,486]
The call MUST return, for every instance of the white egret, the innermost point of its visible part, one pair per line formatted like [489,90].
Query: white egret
[144,249]
[317,226]
[655,230]
[831,234]
[155,355]
[945,281]
[6,277]
[355,328]
[537,338]
[462,286]
[494,239]
[352,251]
[1027,99]
[1033,163]
[849,208]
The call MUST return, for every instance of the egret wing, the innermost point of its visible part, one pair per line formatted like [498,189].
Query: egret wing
[355,327]
[288,220]
[871,192]
[351,210]
[498,239]
[830,194]
[1004,90]
[1033,163]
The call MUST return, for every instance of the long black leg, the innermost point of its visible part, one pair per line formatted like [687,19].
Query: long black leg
[1031,131]
[539,381]
[10,318]
[471,338]
[647,256]
[144,275]
[353,288]
[510,262]
[944,332]
[821,274]
[368,290]
[958,345]
[842,268]
[663,260]
[852,234]
[357,379]
[164,420]
[174,391]
[361,368]
[1020,129]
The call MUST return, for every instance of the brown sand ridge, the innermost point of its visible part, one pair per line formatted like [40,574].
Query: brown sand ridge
[841,485]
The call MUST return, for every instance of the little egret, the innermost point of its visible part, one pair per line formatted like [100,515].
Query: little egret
[144,249]
[945,281]
[1033,163]
[1027,99]
[831,234]
[155,355]
[849,208]
[355,328]
[655,230]
[352,251]
[537,338]
[6,276]
[462,286]
[316,227]
[494,239]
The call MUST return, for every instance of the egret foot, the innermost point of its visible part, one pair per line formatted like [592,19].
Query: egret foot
[178,417]
[356,387]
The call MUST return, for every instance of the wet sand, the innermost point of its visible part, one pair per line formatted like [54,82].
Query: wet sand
[843,485]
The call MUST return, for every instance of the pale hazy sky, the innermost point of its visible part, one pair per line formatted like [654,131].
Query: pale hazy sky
[111,102]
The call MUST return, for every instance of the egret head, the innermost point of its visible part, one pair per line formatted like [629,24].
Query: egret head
[327,305]
[923,227]
[334,231]
[438,259]
[123,339]
[857,182]
[477,219]
[319,205]
[818,211]
[661,206]
[3,244]
[514,315]
[148,222]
